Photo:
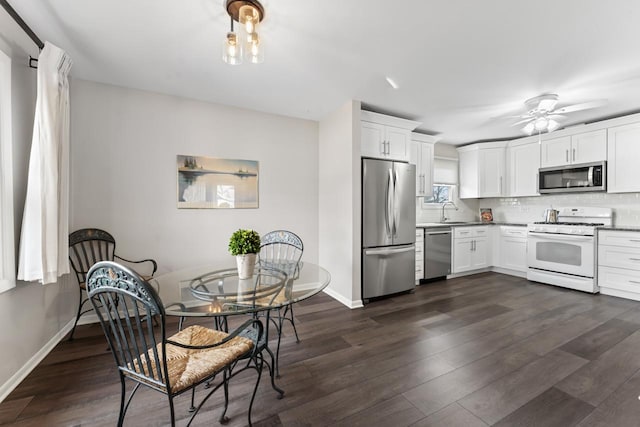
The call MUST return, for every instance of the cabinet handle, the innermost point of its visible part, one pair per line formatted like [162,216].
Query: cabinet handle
[634,240]
[566,155]
[634,259]
[635,282]
[574,154]
[424,183]
[501,186]
[383,151]
[387,152]
[471,246]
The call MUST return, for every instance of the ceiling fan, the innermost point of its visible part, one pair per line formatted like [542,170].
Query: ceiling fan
[542,115]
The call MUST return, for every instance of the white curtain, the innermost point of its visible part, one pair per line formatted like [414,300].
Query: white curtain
[7,256]
[44,242]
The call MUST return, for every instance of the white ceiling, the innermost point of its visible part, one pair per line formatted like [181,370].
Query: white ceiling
[462,65]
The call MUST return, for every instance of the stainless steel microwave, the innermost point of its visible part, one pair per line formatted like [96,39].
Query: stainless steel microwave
[573,178]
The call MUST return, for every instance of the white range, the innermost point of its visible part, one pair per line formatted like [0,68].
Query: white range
[564,253]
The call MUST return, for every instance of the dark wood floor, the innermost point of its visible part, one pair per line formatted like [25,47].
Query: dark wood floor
[483,350]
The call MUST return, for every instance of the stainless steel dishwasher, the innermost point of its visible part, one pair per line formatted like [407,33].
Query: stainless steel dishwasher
[437,252]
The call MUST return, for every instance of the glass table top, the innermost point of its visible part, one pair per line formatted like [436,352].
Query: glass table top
[207,291]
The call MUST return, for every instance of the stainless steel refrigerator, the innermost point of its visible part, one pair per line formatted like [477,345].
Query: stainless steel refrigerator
[388,227]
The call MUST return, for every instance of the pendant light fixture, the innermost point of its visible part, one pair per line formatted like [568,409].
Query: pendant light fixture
[246,43]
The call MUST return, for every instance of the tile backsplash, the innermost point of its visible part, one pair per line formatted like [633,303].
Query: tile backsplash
[626,206]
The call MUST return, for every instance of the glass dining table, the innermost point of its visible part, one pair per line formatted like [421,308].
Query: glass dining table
[207,292]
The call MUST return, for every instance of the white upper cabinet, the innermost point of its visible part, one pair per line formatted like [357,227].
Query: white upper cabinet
[421,155]
[482,170]
[523,161]
[385,137]
[572,149]
[624,157]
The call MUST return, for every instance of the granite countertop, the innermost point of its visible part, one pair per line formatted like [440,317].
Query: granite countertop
[467,224]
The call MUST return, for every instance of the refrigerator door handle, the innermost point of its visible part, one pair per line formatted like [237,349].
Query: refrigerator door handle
[389,210]
[395,205]
[389,251]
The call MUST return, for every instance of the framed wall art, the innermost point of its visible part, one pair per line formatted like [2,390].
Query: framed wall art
[211,183]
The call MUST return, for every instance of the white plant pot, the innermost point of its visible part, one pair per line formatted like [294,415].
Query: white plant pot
[246,264]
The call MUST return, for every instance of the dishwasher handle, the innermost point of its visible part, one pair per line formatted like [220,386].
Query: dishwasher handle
[436,233]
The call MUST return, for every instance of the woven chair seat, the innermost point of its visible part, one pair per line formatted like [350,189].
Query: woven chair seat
[188,366]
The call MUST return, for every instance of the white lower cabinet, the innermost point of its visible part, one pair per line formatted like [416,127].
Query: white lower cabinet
[419,254]
[512,248]
[619,263]
[471,248]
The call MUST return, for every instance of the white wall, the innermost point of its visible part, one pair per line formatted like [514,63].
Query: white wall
[33,317]
[124,144]
[339,202]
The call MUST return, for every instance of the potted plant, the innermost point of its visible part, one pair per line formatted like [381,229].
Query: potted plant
[244,245]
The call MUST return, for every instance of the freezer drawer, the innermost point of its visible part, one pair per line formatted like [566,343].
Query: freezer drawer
[388,270]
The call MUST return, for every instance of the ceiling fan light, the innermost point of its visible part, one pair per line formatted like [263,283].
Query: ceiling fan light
[540,124]
[528,129]
[553,125]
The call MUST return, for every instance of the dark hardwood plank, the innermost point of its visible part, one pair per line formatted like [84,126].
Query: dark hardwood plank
[594,382]
[553,408]
[620,409]
[396,411]
[453,415]
[592,344]
[500,398]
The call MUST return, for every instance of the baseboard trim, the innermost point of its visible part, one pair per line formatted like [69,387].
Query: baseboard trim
[342,300]
[32,363]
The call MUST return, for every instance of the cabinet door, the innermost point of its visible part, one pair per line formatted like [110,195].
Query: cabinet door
[462,255]
[513,253]
[397,143]
[524,161]
[623,154]
[468,173]
[423,154]
[480,253]
[372,140]
[491,172]
[589,146]
[556,152]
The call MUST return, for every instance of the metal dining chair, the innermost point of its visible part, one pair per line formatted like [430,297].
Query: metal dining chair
[125,304]
[88,246]
[282,250]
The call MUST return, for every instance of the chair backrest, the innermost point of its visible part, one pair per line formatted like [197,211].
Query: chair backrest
[281,249]
[88,246]
[126,305]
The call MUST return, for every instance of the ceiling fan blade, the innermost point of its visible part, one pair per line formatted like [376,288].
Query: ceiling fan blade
[555,116]
[521,122]
[579,107]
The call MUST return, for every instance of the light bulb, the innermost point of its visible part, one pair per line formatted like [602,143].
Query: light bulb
[232,49]
[249,17]
[541,123]
[255,50]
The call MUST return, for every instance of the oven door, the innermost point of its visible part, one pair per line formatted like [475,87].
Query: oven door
[562,253]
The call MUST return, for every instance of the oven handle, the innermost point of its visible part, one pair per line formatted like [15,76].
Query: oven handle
[561,237]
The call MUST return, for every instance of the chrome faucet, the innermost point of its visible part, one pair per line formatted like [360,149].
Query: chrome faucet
[442,217]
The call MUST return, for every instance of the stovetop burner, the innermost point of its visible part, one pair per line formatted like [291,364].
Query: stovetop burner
[590,224]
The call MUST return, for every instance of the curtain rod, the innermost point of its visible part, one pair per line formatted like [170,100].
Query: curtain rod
[11,11]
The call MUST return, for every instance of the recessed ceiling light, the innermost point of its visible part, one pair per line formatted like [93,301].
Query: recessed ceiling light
[391,82]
